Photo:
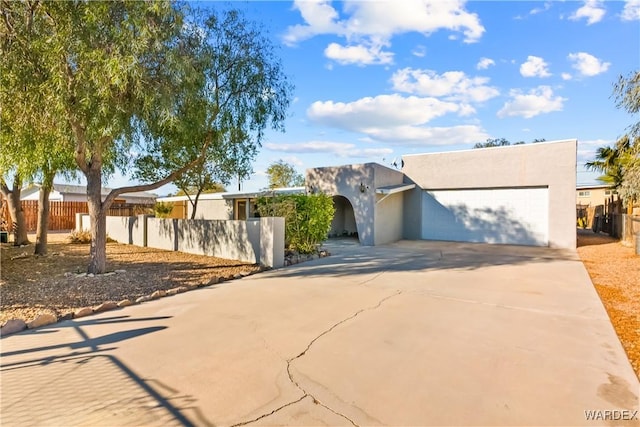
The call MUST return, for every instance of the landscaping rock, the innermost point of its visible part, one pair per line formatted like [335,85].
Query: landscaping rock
[120,271]
[182,289]
[86,311]
[12,326]
[143,298]
[42,320]
[106,306]
[158,294]
[125,303]
[214,280]
[237,276]
[111,273]
[172,292]
[245,273]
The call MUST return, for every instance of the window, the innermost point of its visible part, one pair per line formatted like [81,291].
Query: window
[607,192]
[584,193]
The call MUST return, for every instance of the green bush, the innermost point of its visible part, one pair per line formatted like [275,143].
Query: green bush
[163,210]
[307,218]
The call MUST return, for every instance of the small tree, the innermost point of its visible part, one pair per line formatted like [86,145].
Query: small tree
[307,218]
[282,174]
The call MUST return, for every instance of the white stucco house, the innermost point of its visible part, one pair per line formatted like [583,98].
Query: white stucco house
[78,193]
[521,194]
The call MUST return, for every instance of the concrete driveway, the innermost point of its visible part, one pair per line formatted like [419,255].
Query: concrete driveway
[415,333]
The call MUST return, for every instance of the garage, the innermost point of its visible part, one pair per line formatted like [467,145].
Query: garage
[517,215]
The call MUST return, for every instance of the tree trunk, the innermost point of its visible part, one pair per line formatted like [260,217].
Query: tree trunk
[43,215]
[19,224]
[194,205]
[97,215]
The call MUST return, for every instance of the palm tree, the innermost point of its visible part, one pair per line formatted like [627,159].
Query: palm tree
[612,161]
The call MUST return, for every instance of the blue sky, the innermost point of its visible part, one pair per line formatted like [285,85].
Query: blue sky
[379,79]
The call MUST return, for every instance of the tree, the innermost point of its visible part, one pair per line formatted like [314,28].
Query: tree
[620,164]
[128,79]
[244,91]
[283,174]
[502,142]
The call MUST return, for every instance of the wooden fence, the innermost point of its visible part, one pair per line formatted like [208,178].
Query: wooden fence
[62,215]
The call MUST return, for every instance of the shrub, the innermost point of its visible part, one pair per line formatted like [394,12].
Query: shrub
[163,210]
[307,218]
[79,237]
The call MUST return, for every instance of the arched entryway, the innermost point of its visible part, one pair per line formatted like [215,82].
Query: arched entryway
[343,225]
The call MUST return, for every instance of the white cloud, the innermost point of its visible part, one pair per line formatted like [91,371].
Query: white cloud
[485,63]
[544,8]
[566,76]
[374,23]
[358,54]
[453,85]
[631,11]
[592,11]
[534,67]
[537,101]
[420,51]
[340,149]
[431,136]
[380,111]
[588,65]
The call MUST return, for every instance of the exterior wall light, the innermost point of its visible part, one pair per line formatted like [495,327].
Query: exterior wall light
[362,188]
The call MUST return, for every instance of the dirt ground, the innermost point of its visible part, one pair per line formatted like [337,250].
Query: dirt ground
[615,273]
[32,285]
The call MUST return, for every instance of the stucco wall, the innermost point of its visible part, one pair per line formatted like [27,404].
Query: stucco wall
[345,181]
[212,209]
[388,211]
[376,223]
[550,164]
[256,241]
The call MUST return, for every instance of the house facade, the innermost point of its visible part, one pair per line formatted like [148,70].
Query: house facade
[520,195]
[594,195]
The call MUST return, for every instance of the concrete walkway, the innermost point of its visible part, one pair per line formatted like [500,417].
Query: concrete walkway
[413,333]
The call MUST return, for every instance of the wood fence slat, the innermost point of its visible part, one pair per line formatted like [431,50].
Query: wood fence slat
[62,215]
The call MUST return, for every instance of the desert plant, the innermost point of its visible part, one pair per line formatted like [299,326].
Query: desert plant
[163,210]
[78,237]
[307,218]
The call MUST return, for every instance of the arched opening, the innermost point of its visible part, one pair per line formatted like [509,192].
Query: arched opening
[343,225]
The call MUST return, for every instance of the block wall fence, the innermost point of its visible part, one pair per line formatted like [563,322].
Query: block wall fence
[259,241]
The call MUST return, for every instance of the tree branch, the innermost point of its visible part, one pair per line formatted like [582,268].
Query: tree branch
[152,186]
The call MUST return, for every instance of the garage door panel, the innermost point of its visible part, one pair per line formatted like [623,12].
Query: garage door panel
[505,215]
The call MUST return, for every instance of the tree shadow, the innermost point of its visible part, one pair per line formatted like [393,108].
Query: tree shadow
[138,393]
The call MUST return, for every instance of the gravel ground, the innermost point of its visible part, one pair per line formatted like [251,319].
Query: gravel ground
[615,273]
[32,285]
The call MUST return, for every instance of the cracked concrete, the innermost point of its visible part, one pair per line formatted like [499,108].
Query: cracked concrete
[418,333]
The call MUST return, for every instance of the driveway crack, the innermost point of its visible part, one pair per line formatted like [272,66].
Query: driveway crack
[313,341]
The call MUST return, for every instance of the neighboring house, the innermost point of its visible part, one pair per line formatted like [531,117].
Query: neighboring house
[78,193]
[594,195]
[521,194]
[229,205]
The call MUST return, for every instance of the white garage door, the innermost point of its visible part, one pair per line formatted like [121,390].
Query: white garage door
[499,215]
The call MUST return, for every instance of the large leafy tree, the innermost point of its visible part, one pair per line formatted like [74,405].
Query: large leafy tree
[129,78]
[620,163]
[283,174]
[244,91]
[33,138]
